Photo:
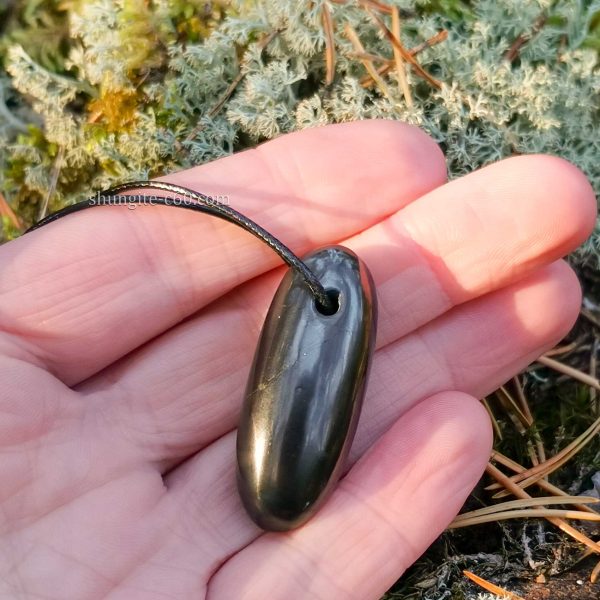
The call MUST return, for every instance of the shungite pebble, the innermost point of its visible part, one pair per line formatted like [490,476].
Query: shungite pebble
[305,391]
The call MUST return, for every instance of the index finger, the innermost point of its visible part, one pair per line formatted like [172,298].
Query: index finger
[84,291]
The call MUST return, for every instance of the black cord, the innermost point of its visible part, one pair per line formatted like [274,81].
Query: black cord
[200,203]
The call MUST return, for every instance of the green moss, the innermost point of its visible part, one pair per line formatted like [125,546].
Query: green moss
[10,232]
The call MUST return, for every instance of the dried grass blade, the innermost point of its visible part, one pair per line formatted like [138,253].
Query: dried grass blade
[595,573]
[355,40]
[560,523]
[400,70]
[528,503]
[490,587]
[526,513]
[530,476]
[513,410]
[432,41]
[495,424]
[570,371]
[542,483]
[7,211]
[329,43]
[406,55]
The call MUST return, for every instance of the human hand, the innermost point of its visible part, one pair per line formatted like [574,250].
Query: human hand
[127,338]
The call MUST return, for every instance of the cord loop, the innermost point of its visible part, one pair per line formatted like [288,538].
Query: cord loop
[200,203]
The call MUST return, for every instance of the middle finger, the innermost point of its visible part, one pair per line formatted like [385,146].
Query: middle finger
[463,240]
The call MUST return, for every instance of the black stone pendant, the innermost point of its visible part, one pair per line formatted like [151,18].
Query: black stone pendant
[308,378]
[305,391]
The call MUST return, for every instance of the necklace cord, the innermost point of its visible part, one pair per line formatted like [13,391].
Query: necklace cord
[200,203]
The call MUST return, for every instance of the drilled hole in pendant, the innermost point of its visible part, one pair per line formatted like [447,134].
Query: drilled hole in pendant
[334,297]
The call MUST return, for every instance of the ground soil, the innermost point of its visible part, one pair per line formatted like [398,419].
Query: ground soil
[573,585]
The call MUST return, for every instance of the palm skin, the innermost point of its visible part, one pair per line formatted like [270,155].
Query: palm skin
[127,338]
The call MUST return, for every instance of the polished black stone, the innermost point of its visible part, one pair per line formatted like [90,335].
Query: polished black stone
[305,391]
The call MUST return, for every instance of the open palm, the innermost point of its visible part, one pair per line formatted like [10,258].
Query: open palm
[127,335]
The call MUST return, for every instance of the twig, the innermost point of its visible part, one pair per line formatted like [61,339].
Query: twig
[406,55]
[216,109]
[523,400]
[378,6]
[530,476]
[512,53]
[533,457]
[381,7]
[371,57]
[564,349]
[56,168]
[517,416]
[570,371]
[400,70]
[526,503]
[7,211]
[355,40]
[590,316]
[542,483]
[263,43]
[495,423]
[491,587]
[329,43]
[539,444]
[595,573]
[526,513]
[440,36]
[432,41]
[593,370]
[558,522]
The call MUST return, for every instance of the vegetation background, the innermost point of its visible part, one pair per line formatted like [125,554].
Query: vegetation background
[97,92]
